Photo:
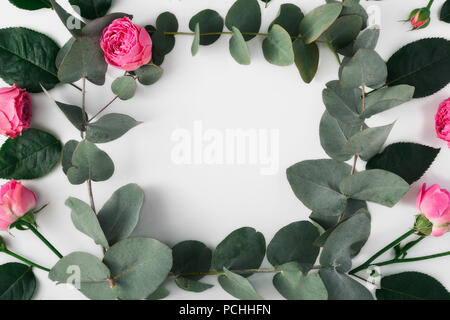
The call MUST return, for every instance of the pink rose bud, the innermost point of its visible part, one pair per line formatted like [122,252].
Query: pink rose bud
[126,45]
[420,18]
[434,204]
[443,121]
[15,202]
[15,111]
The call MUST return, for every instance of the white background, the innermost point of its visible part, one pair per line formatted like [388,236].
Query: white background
[208,202]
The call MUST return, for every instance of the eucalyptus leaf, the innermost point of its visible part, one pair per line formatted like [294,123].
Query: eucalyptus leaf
[110,127]
[67,154]
[420,64]
[289,18]
[244,248]
[159,294]
[27,58]
[124,87]
[386,98]
[343,31]
[342,287]
[366,40]
[306,59]
[92,274]
[238,286]
[367,142]
[17,282]
[366,68]
[196,42]
[329,222]
[210,22]
[148,74]
[163,43]
[85,220]
[120,214]
[375,185]
[396,158]
[411,286]
[294,243]
[292,284]
[238,48]
[353,7]
[91,9]
[192,285]
[244,15]
[89,162]
[31,5]
[30,156]
[316,184]
[191,257]
[72,24]
[318,21]
[277,47]
[343,104]
[138,266]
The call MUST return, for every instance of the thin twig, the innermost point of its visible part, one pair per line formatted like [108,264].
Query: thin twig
[103,109]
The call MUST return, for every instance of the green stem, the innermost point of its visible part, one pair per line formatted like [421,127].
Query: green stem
[394,261]
[28,262]
[366,264]
[42,238]
[430,4]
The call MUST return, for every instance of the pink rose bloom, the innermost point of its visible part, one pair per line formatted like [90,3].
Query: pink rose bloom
[443,121]
[434,203]
[126,45]
[15,111]
[15,202]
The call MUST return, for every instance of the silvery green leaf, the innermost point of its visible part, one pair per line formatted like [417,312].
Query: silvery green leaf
[238,286]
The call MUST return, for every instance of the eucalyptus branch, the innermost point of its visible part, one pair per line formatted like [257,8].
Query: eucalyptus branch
[355,159]
[244,271]
[28,262]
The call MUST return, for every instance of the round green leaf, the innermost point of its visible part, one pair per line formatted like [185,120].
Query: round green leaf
[31,5]
[138,266]
[192,285]
[420,64]
[191,257]
[342,287]
[244,15]
[110,127]
[238,286]
[17,282]
[375,185]
[124,87]
[396,158]
[411,286]
[294,243]
[367,40]
[30,156]
[316,184]
[328,222]
[120,214]
[343,31]
[318,21]
[353,7]
[306,59]
[289,18]
[91,9]
[149,74]
[238,48]
[277,47]
[27,58]
[67,155]
[210,22]
[162,43]
[244,248]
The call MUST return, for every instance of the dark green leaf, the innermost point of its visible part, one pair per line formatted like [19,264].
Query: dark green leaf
[352,7]
[159,294]
[191,257]
[277,47]
[328,222]
[238,286]
[192,285]
[375,185]
[85,220]
[148,74]
[27,58]
[316,184]
[244,15]
[238,48]
[30,156]
[294,243]
[139,266]
[244,248]
[210,22]
[306,59]
[91,9]
[342,287]
[31,5]
[110,127]
[445,12]
[17,282]
[162,43]
[67,154]
[89,162]
[397,157]
[318,21]
[343,31]
[411,286]
[420,64]
[120,214]
[289,18]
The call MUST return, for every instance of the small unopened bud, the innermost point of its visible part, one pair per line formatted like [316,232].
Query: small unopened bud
[420,18]
[423,226]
